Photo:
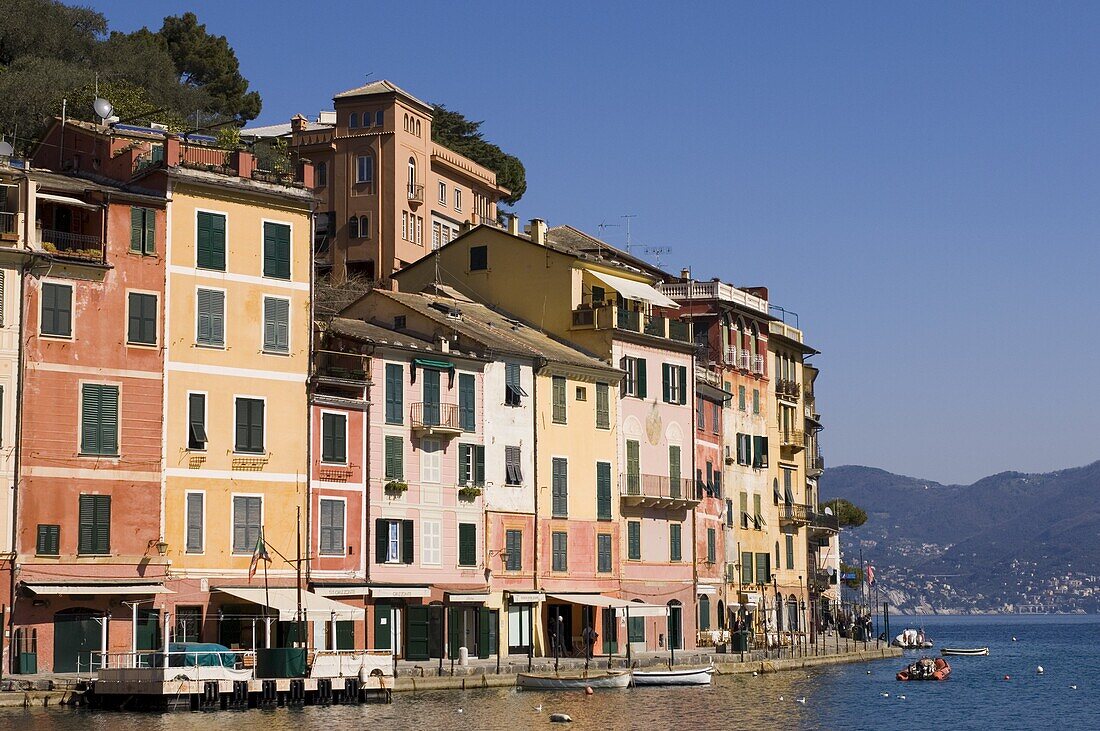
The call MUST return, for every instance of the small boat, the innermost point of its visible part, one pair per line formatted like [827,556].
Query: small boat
[596,681]
[691,676]
[912,639]
[926,669]
[964,651]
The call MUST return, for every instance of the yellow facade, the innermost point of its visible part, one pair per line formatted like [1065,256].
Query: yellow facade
[244,367]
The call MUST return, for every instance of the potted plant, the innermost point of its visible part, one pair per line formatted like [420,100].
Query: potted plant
[396,487]
[469,491]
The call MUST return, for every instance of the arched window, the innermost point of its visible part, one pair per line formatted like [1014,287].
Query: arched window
[321,174]
[353,120]
[418,128]
[675,624]
[406,123]
[412,174]
[721,614]
[353,227]
[793,622]
[364,169]
[704,613]
[754,340]
[364,227]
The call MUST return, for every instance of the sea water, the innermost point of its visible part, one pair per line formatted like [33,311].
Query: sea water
[856,696]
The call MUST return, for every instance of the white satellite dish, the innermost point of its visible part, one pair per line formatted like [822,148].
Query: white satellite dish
[6,150]
[102,107]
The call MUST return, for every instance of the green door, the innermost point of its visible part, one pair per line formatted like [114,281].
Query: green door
[76,634]
[345,635]
[435,631]
[416,645]
[148,630]
[488,631]
[675,626]
[610,632]
[383,627]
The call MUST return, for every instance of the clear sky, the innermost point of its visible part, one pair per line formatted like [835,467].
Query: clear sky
[918,181]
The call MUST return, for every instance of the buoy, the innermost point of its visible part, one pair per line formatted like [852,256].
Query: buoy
[460,710]
[901,697]
[868,672]
[588,690]
[885,695]
[1039,670]
[754,673]
[1073,687]
[801,700]
[1006,677]
[1014,639]
[560,718]
[780,697]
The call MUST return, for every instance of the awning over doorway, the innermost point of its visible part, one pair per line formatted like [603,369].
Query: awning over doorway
[285,602]
[632,289]
[400,592]
[95,589]
[467,598]
[706,589]
[526,597]
[635,609]
[67,200]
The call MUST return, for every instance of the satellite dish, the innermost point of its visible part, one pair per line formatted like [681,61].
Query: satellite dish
[102,107]
[6,150]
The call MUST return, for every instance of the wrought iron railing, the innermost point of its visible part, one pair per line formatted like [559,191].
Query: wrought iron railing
[73,246]
[434,414]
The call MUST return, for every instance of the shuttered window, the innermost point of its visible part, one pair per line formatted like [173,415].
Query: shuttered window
[674,383]
[210,241]
[95,525]
[759,451]
[745,517]
[467,544]
[634,540]
[634,383]
[763,567]
[603,491]
[249,426]
[746,568]
[559,481]
[729,513]
[210,317]
[603,553]
[276,325]
[466,401]
[790,551]
[277,250]
[471,464]
[334,438]
[57,310]
[558,396]
[758,514]
[603,406]
[513,391]
[633,468]
[788,491]
[196,421]
[247,514]
[675,550]
[560,553]
[712,548]
[395,458]
[741,398]
[513,475]
[674,471]
[99,419]
[141,326]
[332,527]
[513,548]
[194,509]
[756,401]
[143,230]
[395,392]
[49,540]
[393,541]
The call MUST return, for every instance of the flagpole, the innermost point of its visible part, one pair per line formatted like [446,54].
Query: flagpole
[267,597]
[298,582]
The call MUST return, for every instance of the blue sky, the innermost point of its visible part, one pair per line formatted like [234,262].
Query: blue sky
[918,181]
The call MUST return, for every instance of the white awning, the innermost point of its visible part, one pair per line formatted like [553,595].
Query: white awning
[526,598]
[751,597]
[632,289]
[67,200]
[467,598]
[95,589]
[706,589]
[285,601]
[636,609]
[341,590]
[400,592]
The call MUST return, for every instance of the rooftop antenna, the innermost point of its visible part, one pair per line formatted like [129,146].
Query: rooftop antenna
[628,216]
[603,225]
[101,106]
[656,251]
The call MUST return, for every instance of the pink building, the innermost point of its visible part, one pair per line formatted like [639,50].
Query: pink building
[714,514]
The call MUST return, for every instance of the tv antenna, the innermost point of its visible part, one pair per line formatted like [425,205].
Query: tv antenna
[604,225]
[656,251]
[101,106]
[628,216]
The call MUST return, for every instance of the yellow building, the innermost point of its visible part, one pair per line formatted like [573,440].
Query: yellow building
[237,420]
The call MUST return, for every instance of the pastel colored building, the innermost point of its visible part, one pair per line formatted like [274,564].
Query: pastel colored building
[714,514]
[389,194]
[596,299]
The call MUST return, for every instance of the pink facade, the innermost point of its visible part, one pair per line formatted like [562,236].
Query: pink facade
[712,527]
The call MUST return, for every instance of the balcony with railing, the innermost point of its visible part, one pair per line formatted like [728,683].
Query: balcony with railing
[9,226]
[795,514]
[657,491]
[815,465]
[435,418]
[824,524]
[602,315]
[416,193]
[74,247]
[793,439]
[788,389]
[758,365]
[340,379]
[713,290]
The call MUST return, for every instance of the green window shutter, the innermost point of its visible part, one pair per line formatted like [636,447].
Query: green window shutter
[95,524]
[334,438]
[674,471]
[744,510]
[704,613]
[640,378]
[603,553]
[194,522]
[634,540]
[756,506]
[381,539]
[633,468]
[395,467]
[560,487]
[395,386]
[249,435]
[558,393]
[790,551]
[465,477]
[763,571]
[674,547]
[49,540]
[666,383]
[479,464]
[603,406]
[741,398]
[332,527]
[89,419]
[746,567]
[683,384]
[137,228]
[759,452]
[149,244]
[57,309]
[142,320]
[513,543]
[276,250]
[560,553]
[711,545]
[276,324]
[210,309]
[603,490]
[210,241]
[407,541]
[755,401]
[467,544]
[466,401]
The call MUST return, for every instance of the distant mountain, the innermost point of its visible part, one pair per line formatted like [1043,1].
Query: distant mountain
[1008,539]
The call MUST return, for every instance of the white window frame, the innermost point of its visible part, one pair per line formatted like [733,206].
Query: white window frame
[458,198]
[186,526]
[343,528]
[427,551]
[80,419]
[359,179]
[263,325]
[205,420]
[195,258]
[419,230]
[233,515]
[233,425]
[631,378]
[321,446]
[72,309]
[442,192]
[393,540]
[277,222]
[431,474]
[126,320]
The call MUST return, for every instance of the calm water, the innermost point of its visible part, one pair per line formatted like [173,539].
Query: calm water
[842,697]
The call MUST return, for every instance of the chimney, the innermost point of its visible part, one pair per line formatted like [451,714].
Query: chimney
[513,224]
[444,344]
[243,162]
[538,231]
[306,173]
[172,152]
[685,274]
[297,123]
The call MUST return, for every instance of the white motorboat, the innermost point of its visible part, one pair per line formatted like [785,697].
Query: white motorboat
[691,676]
[975,651]
[596,681]
[912,639]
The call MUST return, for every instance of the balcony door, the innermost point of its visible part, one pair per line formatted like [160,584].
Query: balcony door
[431,397]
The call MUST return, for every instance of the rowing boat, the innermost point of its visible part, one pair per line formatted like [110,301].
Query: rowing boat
[692,676]
[613,679]
[964,651]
